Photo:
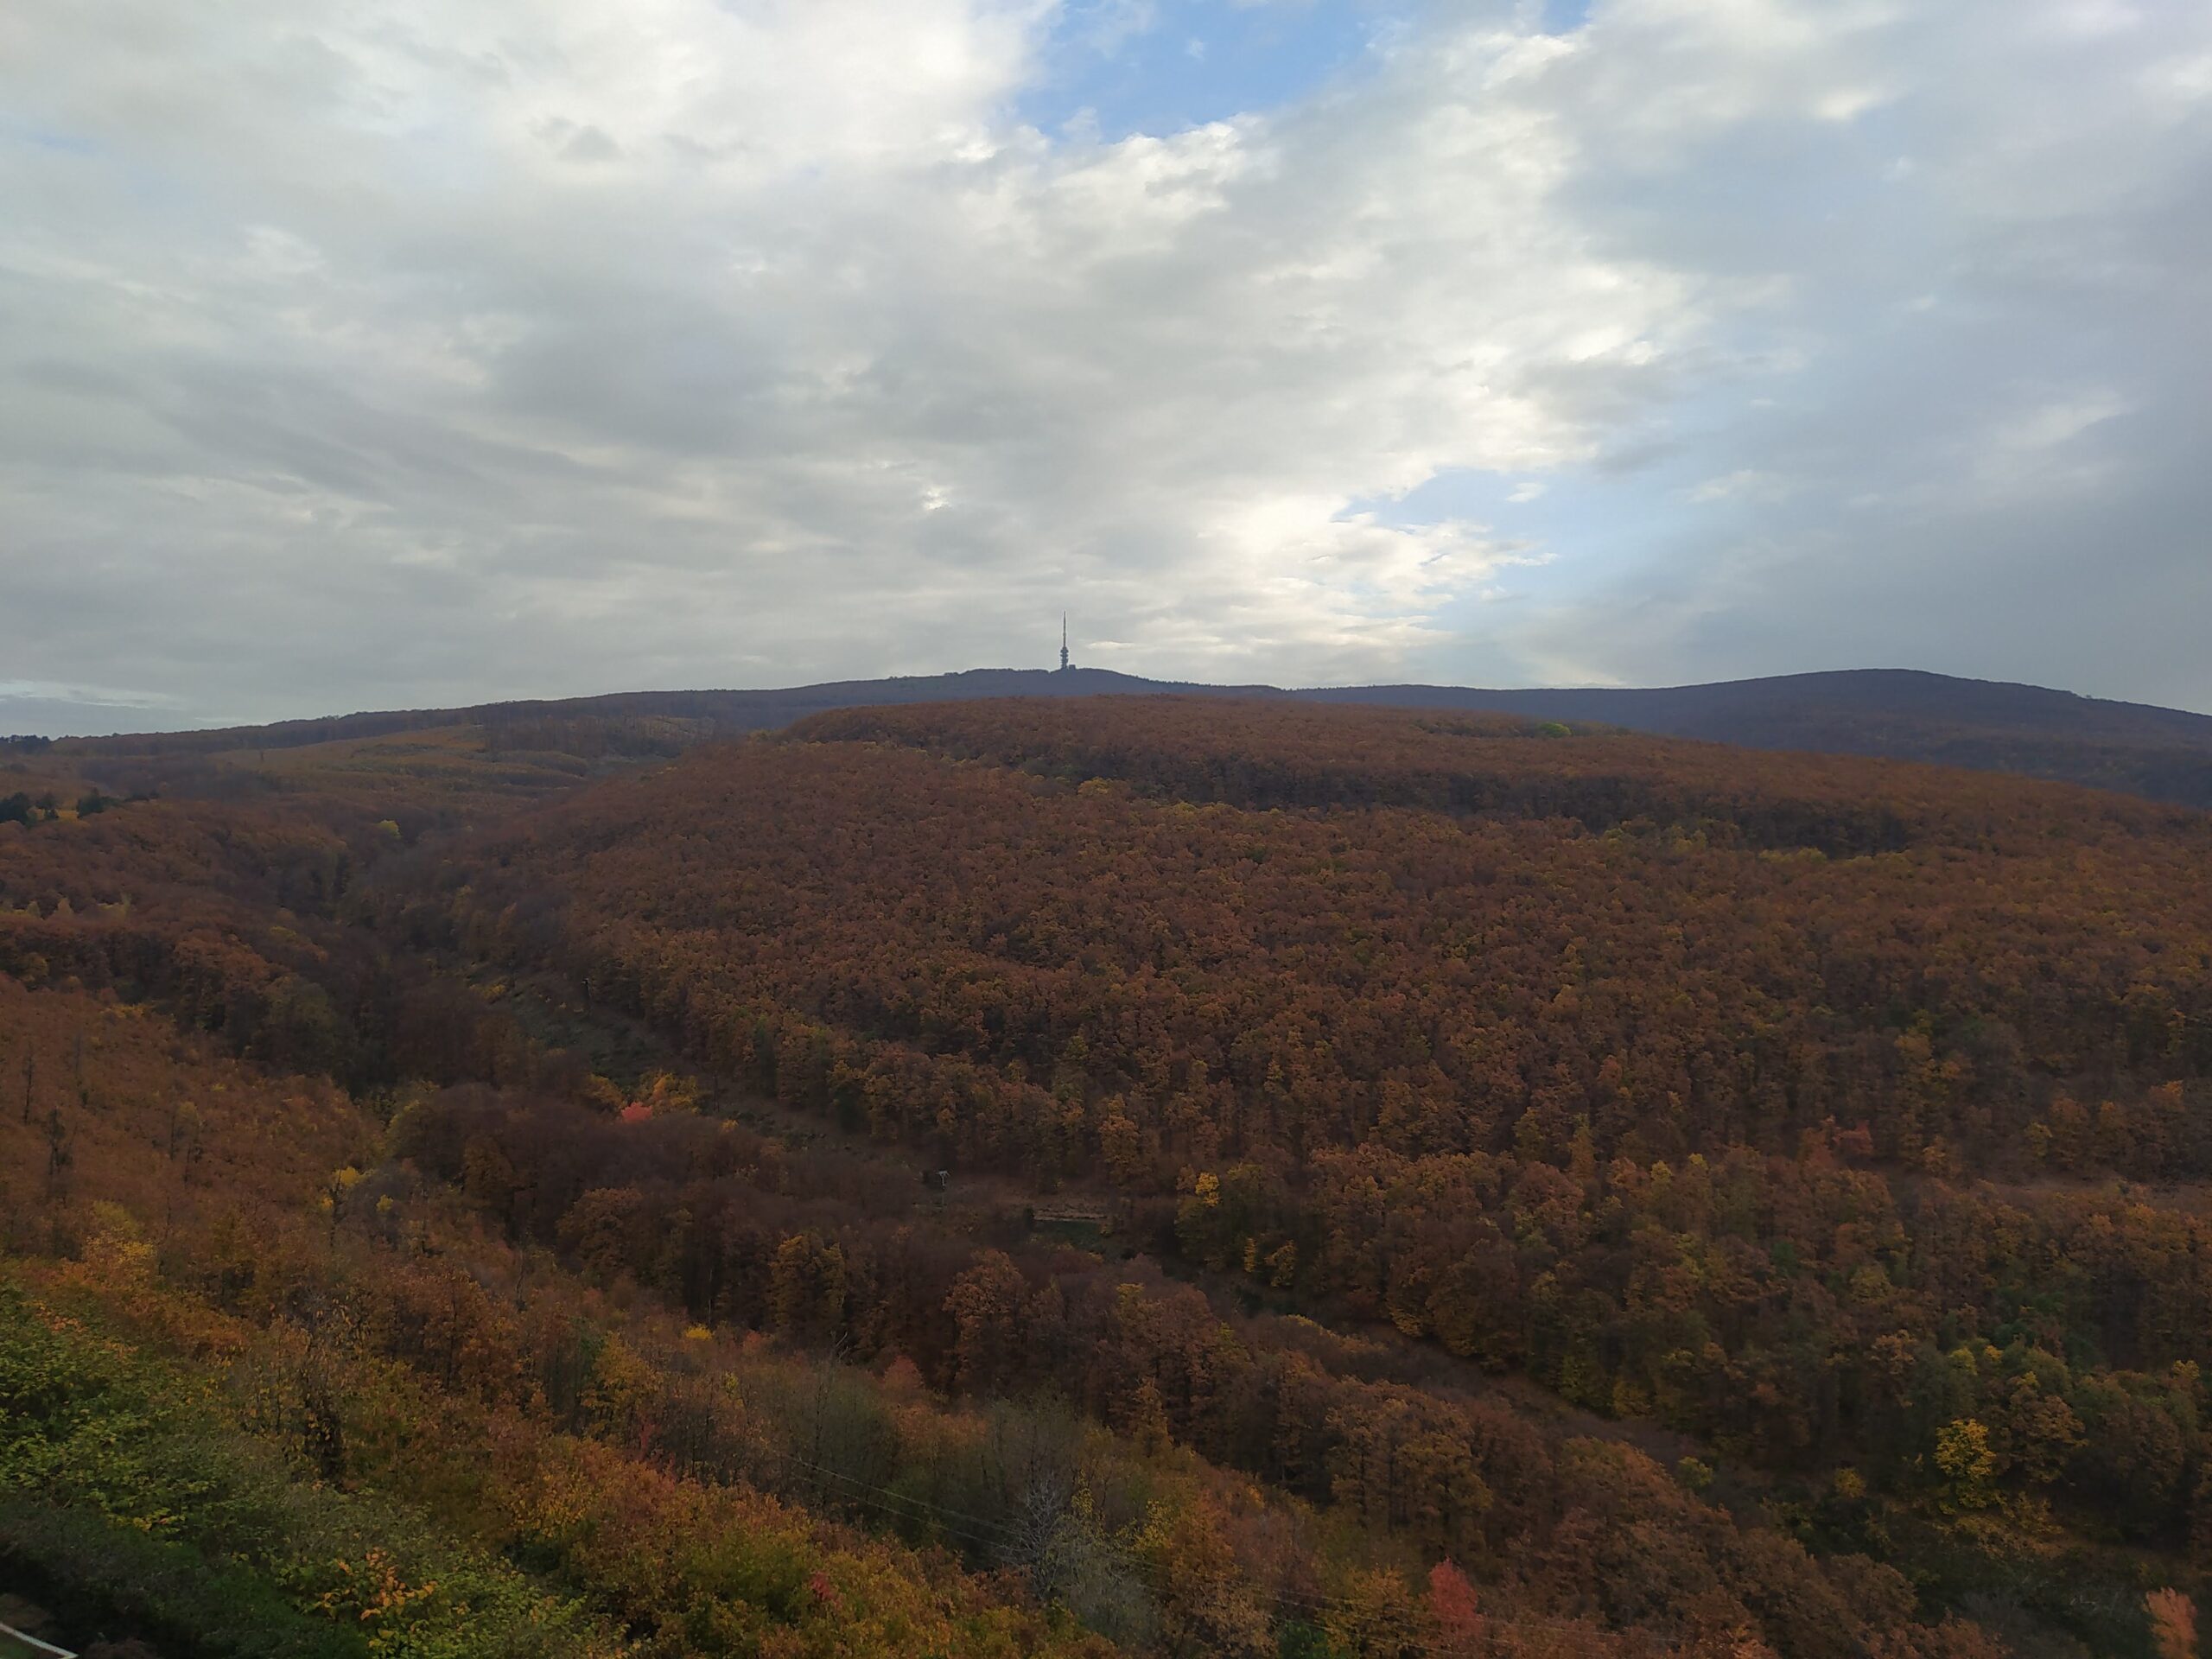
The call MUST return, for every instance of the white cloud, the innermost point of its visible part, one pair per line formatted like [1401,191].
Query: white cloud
[1744,484]
[428,353]
[2048,425]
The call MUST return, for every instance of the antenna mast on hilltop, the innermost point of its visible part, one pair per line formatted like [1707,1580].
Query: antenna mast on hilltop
[1064,642]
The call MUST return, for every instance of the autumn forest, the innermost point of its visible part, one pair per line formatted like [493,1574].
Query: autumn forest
[1128,1175]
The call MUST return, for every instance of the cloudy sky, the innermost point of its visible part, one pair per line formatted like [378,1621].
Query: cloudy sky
[431,351]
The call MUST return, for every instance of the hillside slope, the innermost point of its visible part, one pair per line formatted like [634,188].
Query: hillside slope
[1788,1104]
[1420,1184]
[2161,754]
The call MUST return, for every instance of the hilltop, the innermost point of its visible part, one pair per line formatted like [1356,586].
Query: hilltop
[2161,754]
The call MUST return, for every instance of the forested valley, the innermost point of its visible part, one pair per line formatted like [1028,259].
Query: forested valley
[1148,1175]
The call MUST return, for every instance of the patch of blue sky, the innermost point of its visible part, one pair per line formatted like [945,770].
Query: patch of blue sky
[1586,522]
[1579,529]
[40,138]
[1586,530]
[1583,530]
[1165,65]
[1591,520]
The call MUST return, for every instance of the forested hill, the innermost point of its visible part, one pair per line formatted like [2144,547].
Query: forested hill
[1844,1116]
[1392,1185]
[1987,725]
[2163,753]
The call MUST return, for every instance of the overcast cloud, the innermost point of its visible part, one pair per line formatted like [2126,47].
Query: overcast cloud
[442,350]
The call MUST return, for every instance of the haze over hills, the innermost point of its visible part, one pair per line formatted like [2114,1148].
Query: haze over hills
[2162,753]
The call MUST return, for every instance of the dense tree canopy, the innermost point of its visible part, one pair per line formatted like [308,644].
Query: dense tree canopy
[1419,1184]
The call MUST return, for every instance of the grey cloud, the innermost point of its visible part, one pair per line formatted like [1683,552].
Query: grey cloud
[451,358]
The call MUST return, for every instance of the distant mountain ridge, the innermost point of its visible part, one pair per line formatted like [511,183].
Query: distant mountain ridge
[1907,714]
[1900,714]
